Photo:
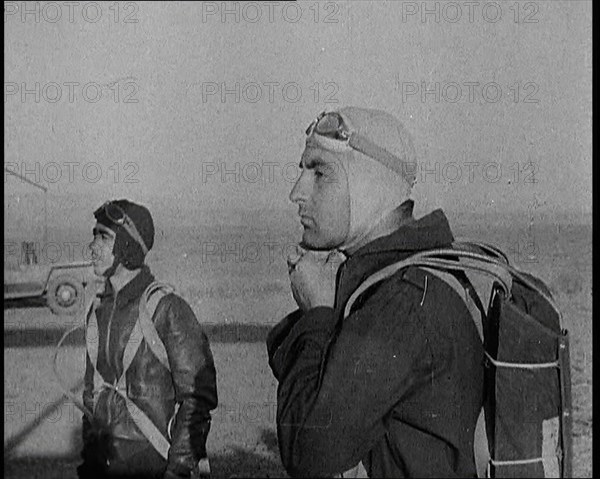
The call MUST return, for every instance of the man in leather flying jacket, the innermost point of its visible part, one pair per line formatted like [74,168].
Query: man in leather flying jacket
[176,395]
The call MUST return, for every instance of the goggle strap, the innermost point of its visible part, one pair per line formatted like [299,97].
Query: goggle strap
[133,232]
[367,147]
[125,222]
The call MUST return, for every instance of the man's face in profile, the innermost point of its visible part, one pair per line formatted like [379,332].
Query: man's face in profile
[322,196]
[102,248]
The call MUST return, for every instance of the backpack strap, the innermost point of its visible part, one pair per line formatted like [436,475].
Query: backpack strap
[474,311]
[528,280]
[435,260]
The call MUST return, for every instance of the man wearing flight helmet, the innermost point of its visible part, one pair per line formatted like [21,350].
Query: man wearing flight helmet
[392,385]
[150,381]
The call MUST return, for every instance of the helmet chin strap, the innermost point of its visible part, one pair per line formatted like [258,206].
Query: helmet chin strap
[352,243]
[113,267]
[118,255]
[369,205]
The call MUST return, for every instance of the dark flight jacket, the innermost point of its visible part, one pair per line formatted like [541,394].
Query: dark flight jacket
[155,390]
[398,385]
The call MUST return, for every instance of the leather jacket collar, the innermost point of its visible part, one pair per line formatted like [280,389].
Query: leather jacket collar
[131,290]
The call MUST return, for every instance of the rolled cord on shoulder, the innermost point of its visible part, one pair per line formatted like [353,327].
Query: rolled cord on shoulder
[64,388]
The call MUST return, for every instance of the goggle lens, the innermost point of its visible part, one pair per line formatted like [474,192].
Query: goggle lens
[114,213]
[330,125]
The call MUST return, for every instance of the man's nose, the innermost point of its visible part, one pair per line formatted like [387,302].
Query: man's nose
[299,192]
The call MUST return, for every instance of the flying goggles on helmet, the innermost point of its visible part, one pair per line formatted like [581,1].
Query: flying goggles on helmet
[116,214]
[332,125]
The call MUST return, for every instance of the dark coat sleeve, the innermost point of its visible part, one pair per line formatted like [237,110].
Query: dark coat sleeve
[276,336]
[194,380]
[336,385]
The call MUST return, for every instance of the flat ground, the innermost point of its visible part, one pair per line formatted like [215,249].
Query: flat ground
[238,296]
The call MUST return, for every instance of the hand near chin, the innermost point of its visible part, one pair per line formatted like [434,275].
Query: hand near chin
[313,277]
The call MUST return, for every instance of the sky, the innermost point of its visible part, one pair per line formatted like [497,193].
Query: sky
[199,109]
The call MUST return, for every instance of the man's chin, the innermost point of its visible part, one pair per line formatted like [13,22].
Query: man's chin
[314,243]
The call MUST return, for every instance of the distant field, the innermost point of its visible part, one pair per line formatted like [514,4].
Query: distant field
[235,278]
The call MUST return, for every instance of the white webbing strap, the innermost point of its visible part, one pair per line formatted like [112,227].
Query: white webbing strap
[505,364]
[143,422]
[357,472]
[91,343]
[518,462]
[148,304]
[143,329]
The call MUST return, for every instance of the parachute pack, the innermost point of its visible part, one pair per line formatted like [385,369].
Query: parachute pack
[525,426]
